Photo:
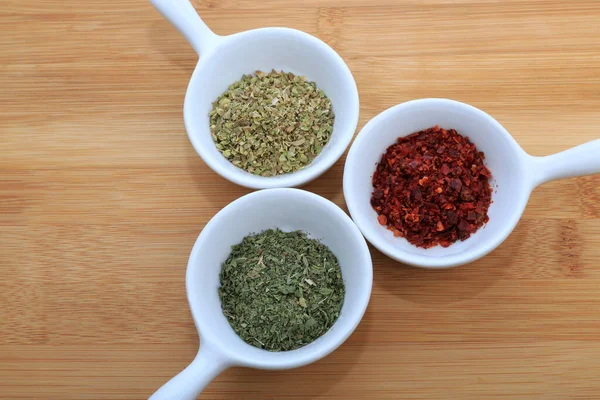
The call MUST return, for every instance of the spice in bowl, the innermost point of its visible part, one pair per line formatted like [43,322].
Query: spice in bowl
[271,123]
[432,188]
[281,290]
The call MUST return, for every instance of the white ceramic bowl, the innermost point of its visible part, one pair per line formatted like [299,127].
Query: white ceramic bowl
[515,172]
[224,59]
[289,210]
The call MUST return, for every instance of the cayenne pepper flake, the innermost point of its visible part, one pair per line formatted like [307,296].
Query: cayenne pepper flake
[432,188]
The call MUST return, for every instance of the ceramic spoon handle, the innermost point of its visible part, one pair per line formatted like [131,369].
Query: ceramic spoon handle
[184,17]
[188,384]
[581,160]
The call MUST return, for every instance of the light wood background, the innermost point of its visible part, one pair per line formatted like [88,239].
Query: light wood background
[102,197]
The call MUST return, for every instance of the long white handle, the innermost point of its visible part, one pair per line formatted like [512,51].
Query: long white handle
[581,160]
[184,17]
[188,384]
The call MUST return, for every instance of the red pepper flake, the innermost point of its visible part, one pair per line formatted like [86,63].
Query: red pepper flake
[445,169]
[456,184]
[432,188]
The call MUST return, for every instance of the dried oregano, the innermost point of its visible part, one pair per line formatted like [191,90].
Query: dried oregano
[281,290]
[271,124]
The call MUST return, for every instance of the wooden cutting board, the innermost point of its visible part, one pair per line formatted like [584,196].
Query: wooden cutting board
[102,197]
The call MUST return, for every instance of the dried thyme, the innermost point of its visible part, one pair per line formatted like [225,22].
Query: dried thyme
[271,123]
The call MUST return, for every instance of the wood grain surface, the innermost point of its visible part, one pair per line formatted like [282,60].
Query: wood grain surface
[102,197]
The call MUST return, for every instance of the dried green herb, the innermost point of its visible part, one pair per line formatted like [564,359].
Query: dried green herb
[281,290]
[271,124]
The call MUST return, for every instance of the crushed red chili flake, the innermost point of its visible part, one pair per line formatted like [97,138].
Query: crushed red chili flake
[432,188]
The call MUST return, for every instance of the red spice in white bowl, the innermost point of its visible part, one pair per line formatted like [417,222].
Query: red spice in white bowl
[432,188]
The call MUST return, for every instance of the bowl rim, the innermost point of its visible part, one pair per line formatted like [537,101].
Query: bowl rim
[304,355]
[418,260]
[312,170]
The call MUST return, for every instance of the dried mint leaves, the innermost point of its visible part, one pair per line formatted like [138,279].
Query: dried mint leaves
[281,290]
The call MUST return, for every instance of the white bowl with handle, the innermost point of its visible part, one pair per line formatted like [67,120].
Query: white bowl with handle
[515,173]
[224,59]
[289,210]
